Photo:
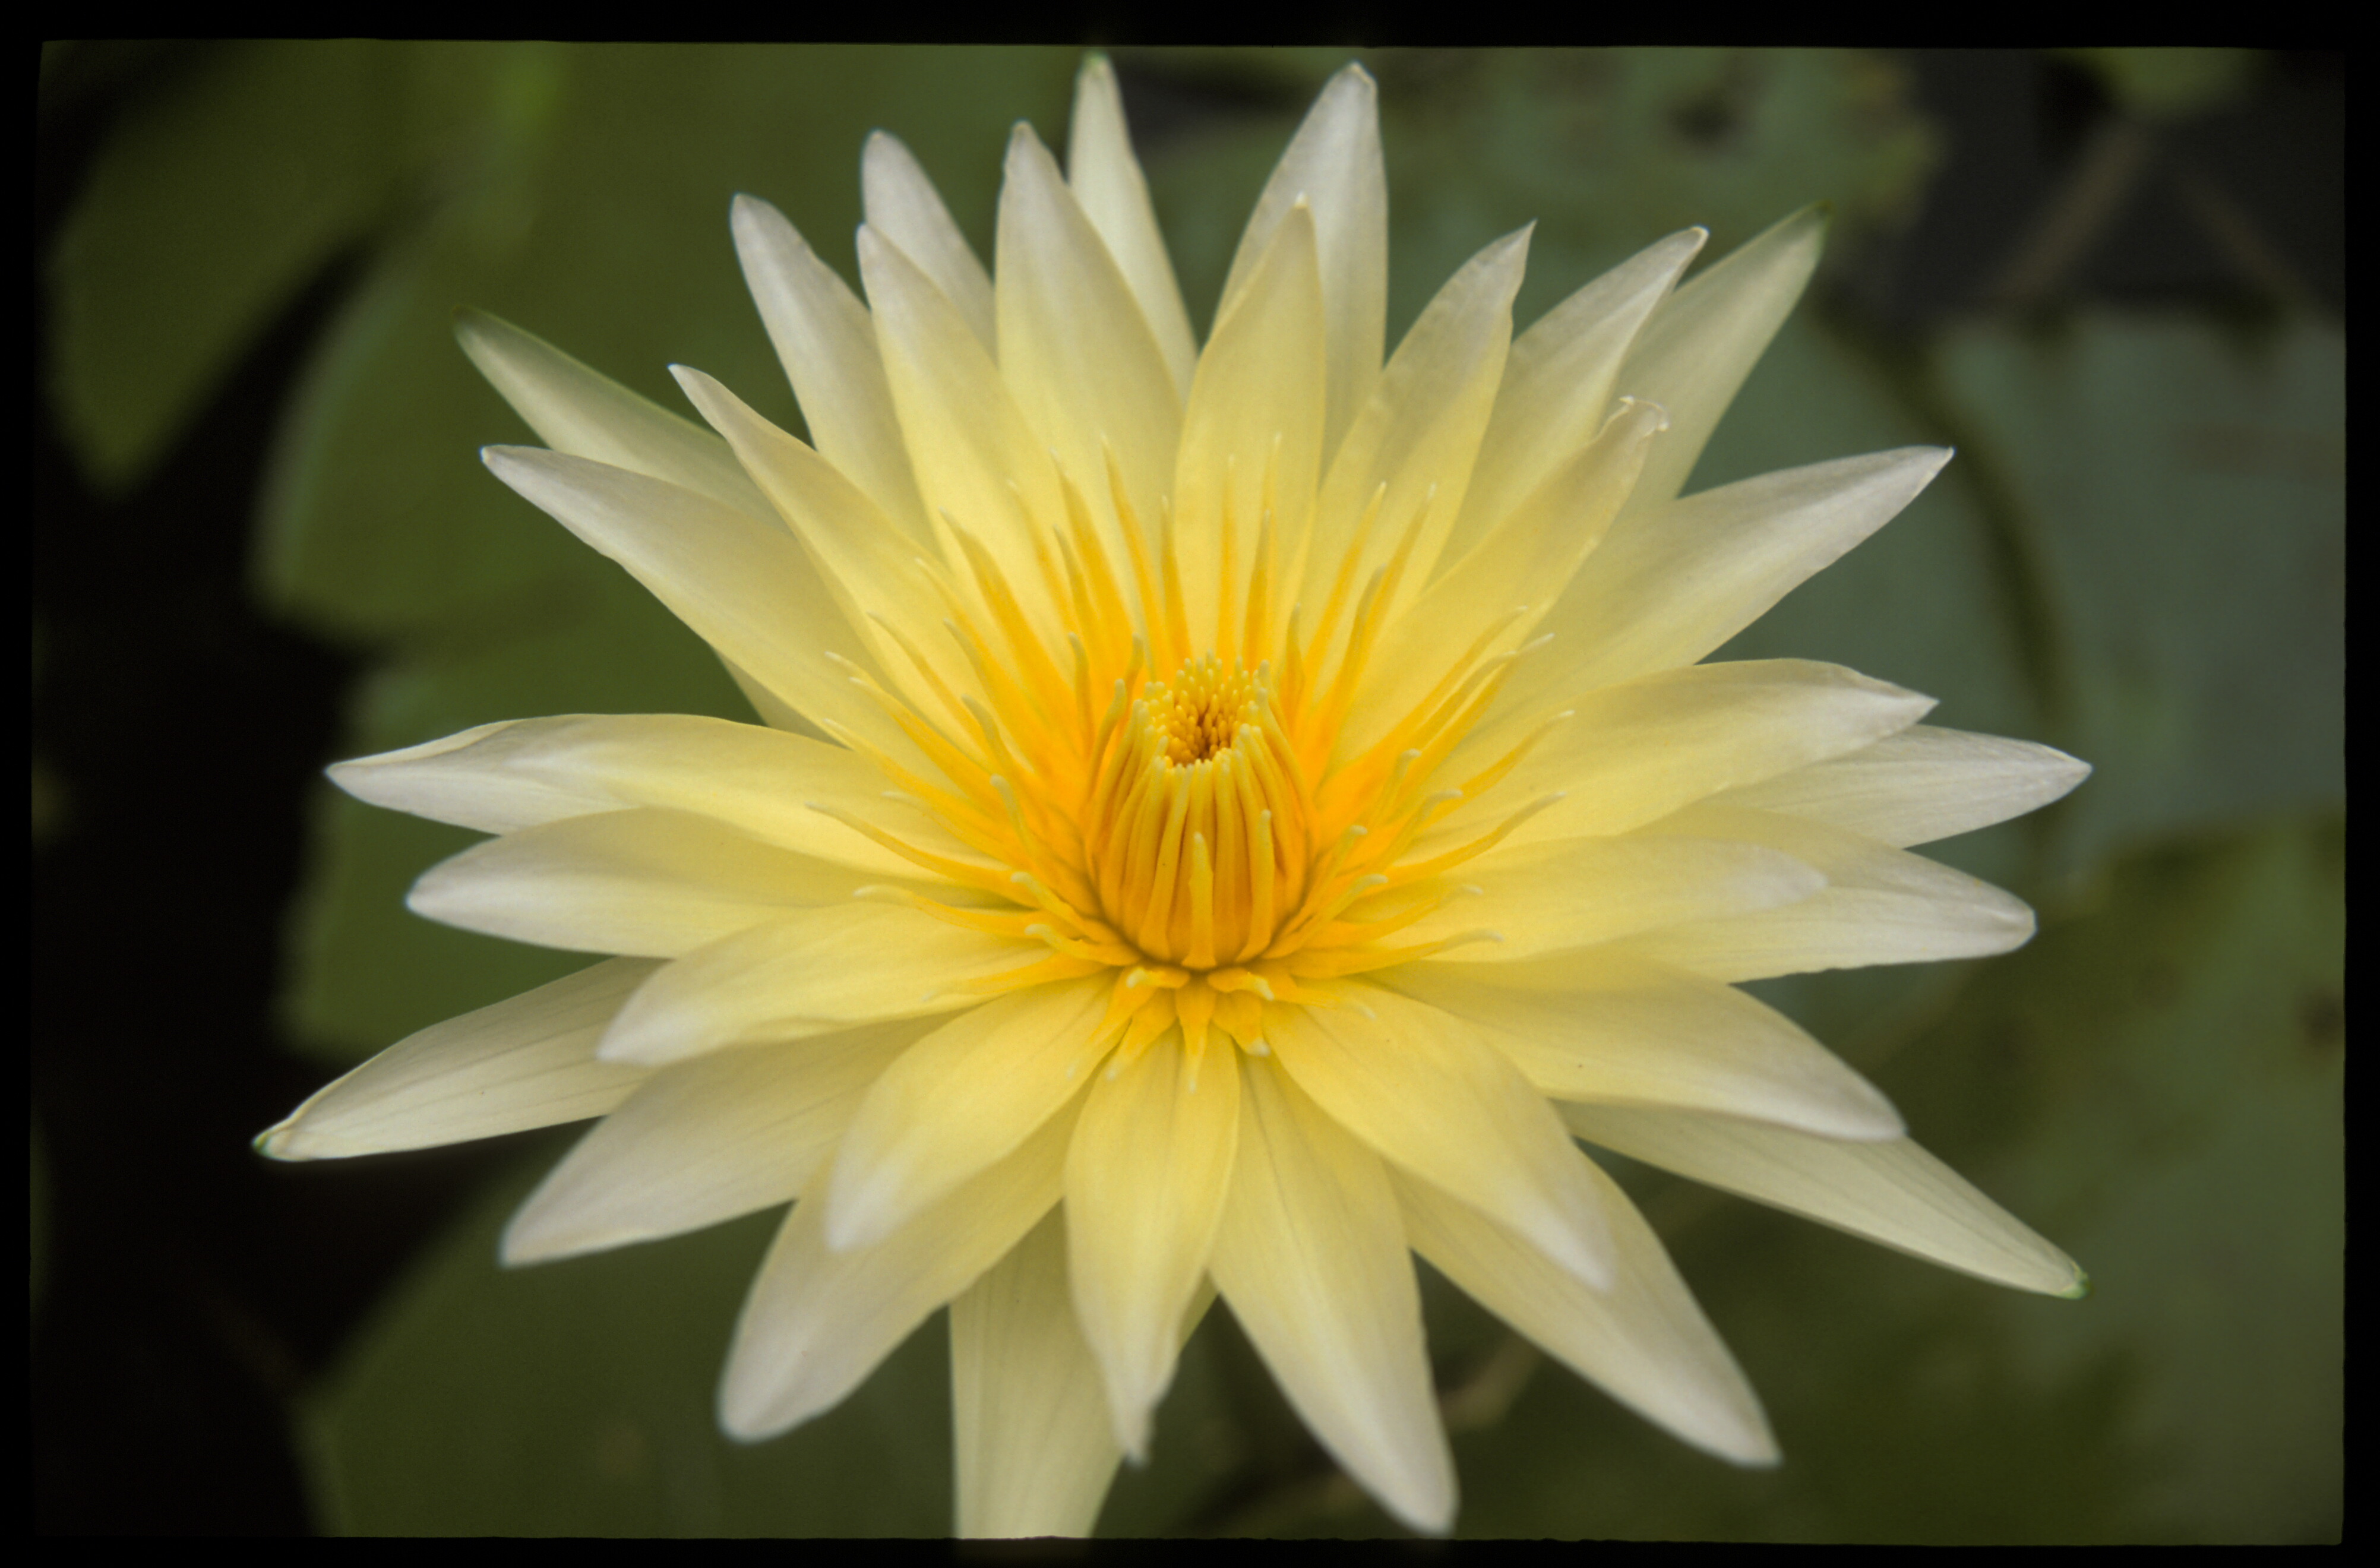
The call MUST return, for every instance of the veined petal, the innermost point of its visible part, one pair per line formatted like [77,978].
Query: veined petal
[1334,164]
[1576,893]
[1074,349]
[524,773]
[705,1141]
[1146,1177]
[1894,1193]
[827,344]
[1035,1451]
[961,1098]
[526,1062]
[1311,1255]
[741,583]
[1253,428]
[1880,905]
[1644,1340]
[1428,1093]
[809,972]
[1560,379]
[1632,753]
[1921,785]
[586,414]
[1106,180]
[1666,587]
[1694,352]
[1599,1026]
[817,1320]
[646,881]
[903,205]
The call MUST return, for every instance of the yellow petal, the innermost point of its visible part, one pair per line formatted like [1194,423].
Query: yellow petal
[1427,1092]
[1597,1026]
[702,1142]
[526,1062]
[827,344]
[1921,785]
[903,205]
[1643,1341]
[817,1321]
[1894,1193]
[809,972]
[961,1098]
[1146,1177]
[1106,179]
[1311,1256]
[1035,1452]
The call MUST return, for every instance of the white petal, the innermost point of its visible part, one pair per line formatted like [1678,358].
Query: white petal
[1035,1452]
[903,205]
[1644,1340]
[704,1141]
[526,1062]
[817,1321]
[1106,180]
[1894,1193]
[1311,1256]
[1921,785]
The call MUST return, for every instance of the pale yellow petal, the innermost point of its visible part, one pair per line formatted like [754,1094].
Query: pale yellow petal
[585,413]
[526,1062]
[1560,378]
[962,1098]
[1880,905]
[827,344]
[1253,428]
[1921,785]
[1311,1256]
[1106,180]
[1644,1340]
[1146,1177]
[1034,1448]
[1428,1093]
[1694,352]
[1894,1192]
[1596,1026]
[647,883]
[817,1321]
[524,773]
[705,1141]
[1333,163]
[809,972]
[903,205]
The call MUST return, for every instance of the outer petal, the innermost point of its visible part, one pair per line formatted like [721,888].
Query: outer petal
[809,972]
[585,413]
[1426,1092]
[903,205]
[1919,786]
[1311,1255]
[1106,180]
[1880,905]
[526,1062]
[828,347]
[1894,1193]
[817,1321]
[704,1141]
[1034,1450]
[1644,1340]
[961,1098]
[1145,1178]
[1696,349]
[1597,1026]
[1334,164]
[647,883]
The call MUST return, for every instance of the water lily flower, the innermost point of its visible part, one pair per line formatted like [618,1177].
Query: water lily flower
[1228,818]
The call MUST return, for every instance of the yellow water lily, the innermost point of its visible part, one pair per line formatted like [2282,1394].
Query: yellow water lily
[1227,820]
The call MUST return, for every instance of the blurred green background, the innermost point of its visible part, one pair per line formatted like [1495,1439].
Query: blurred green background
[2113,280]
